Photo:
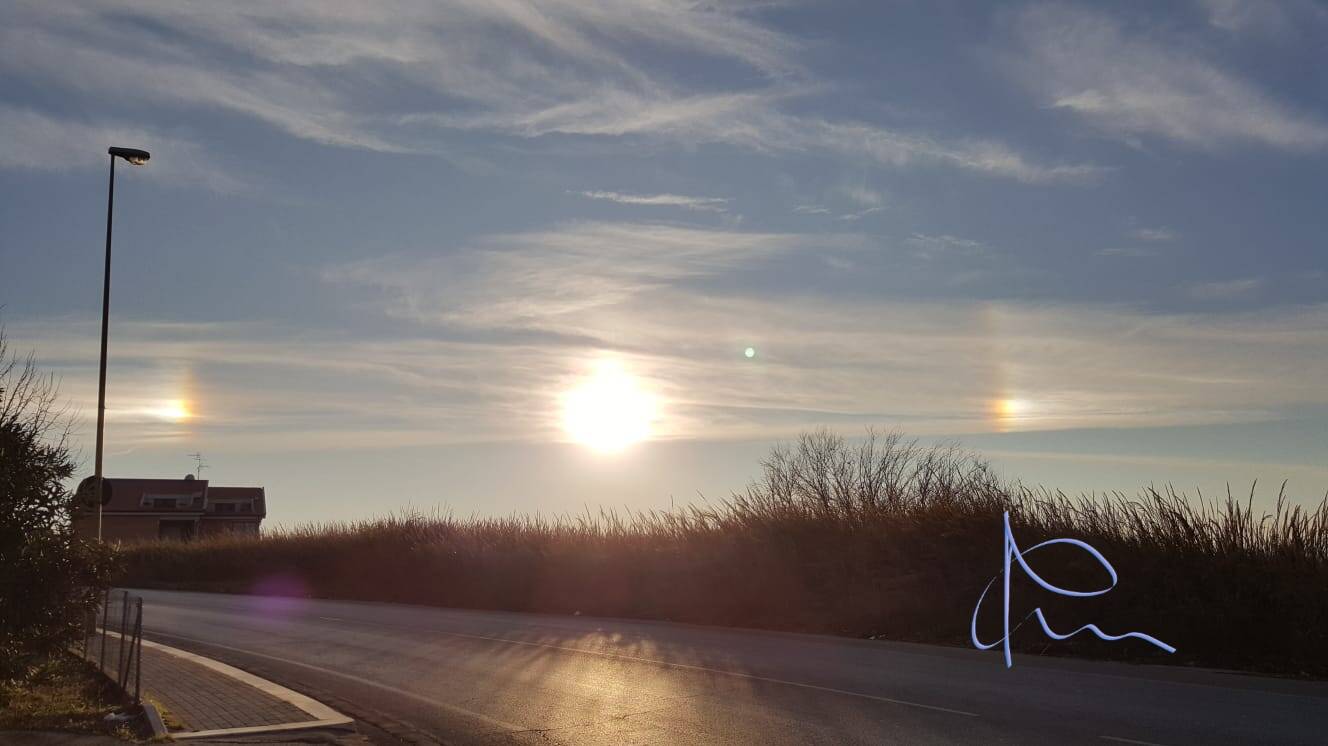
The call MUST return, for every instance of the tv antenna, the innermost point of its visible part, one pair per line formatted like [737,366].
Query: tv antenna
[200,464]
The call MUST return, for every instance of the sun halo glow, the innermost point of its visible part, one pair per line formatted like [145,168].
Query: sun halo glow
[609,411]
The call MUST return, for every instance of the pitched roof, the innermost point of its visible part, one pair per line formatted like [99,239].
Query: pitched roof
[137,495]
[131,494]
[255,494]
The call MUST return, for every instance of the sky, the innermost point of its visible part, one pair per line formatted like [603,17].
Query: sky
[495,256]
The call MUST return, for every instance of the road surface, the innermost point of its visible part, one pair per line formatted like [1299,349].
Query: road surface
[424,675]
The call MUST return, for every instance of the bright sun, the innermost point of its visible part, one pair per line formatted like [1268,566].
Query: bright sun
[608,411]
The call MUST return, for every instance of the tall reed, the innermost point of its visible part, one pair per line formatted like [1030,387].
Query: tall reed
[878,537]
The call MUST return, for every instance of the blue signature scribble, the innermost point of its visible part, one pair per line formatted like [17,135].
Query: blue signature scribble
[1012,552]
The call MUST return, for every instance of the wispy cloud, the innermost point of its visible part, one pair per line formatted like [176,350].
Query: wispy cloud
[568,68]
[530,280]
[860,214]
[703,204]
[311,71]
[1226,290]
[897,148]
[862,195]
[822,363]
[1265,18]
[867,200]
[756,121]
[32,140]
[1126,251]
[823,357]
[500,328]
[1134,84]
[933,247]
[1153,234]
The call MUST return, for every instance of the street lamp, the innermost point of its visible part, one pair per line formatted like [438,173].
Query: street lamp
[134,157]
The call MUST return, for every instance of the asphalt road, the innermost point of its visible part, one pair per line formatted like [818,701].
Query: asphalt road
[425,674]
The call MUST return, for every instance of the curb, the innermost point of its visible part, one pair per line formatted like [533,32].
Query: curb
[320,715]
[154,721]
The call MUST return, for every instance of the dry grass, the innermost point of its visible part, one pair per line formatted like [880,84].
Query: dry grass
[62,694]
[878,538]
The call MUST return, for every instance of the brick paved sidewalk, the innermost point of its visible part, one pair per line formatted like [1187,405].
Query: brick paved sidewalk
[203,699]
[200,698]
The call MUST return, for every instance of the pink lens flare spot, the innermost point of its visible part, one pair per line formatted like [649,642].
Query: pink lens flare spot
[279,595]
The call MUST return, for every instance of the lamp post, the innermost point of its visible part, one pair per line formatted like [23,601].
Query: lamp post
[134,157]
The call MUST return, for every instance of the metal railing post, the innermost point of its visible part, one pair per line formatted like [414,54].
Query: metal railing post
[105,613]
[124,626]
[138,643]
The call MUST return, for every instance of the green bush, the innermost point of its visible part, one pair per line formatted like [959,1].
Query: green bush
[49,577]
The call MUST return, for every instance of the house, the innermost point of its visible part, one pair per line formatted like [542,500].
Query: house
[147,509]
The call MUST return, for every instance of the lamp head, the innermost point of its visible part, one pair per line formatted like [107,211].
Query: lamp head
[132,155]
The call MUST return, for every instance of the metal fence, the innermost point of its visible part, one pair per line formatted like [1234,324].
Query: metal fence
[113,639]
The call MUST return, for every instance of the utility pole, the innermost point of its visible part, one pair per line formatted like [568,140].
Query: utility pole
[135,157]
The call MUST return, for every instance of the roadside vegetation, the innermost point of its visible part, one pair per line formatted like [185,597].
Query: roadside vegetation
[868,538]
[49,577]
[63,693]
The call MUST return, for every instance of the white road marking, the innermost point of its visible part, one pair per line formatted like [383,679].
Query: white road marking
[1118,739]
[332,618]
[502,724]
[257,729]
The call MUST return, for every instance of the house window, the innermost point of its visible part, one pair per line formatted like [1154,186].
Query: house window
[175,530]
[163,503]
[225,507]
